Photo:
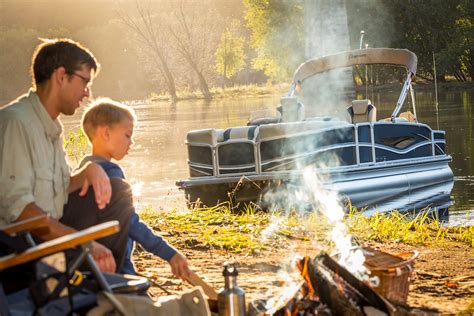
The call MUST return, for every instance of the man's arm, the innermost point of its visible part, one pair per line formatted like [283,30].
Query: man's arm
[92,174]
[102,255]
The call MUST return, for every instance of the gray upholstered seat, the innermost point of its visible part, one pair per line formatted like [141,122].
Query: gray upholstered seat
[204,136]
[291,110]
[361,111]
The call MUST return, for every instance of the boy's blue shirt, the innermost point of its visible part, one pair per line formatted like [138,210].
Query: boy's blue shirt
[137,230]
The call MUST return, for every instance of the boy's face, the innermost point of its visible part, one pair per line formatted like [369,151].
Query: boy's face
[121,139]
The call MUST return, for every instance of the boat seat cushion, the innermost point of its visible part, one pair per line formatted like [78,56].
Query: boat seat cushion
[361,111]
[243,132]
[291,110]
[264,116]
[206,136]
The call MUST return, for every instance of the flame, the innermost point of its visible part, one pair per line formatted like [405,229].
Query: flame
[303,267]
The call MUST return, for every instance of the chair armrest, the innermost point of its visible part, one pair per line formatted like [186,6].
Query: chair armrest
[37,222]
[60,244]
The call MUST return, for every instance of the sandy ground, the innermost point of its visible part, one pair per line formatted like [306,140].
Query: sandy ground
[443,278]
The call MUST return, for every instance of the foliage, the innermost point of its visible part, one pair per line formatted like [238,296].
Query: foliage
[424,27]
[274,40]
[277,36]
[76,145]
[230,55]
[444,28]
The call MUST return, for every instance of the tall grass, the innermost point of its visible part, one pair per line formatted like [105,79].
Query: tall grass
[417,229]
[215,227]
[219,228]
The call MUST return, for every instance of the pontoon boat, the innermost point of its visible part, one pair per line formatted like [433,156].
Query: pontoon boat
[371,162]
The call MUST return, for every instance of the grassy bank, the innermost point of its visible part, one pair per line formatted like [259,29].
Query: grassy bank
[250,231]
[247,91]
[256,91]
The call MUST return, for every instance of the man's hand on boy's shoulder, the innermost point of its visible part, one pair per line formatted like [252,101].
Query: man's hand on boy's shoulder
[92,174]
[179,266]
[96,176]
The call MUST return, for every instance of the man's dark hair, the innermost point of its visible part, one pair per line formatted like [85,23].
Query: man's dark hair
[52,54]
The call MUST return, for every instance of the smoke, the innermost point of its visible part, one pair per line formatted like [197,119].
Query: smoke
[305,193]
[327,32]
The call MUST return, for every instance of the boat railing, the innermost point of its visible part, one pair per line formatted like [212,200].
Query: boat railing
[366,151]
[407,87]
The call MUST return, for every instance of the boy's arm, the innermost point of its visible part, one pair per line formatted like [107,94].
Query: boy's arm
[155,244]
[141,233]
[92,174]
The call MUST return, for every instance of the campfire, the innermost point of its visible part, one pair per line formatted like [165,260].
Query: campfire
[327,288]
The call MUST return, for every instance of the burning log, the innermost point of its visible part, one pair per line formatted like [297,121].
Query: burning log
[330,289]
[341,291]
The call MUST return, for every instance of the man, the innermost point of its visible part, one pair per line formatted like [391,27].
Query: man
[34,176]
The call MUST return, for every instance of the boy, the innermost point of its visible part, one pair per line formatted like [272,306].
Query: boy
[109,127]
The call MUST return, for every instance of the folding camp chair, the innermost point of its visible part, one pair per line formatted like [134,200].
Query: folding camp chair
[52,290]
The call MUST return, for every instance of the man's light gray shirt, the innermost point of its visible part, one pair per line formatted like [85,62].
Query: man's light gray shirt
[33,166]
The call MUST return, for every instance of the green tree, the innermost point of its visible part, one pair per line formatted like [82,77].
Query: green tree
[422,26]
[230,55]
[429,26]
[277,35]
[466,30]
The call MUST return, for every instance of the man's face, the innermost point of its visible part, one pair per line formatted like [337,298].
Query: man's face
[76,87]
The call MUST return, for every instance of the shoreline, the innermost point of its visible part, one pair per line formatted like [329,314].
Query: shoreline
[254,91]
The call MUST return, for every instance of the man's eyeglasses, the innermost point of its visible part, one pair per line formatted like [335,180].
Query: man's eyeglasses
[87,81]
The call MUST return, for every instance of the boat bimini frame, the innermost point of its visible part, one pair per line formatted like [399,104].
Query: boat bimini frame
[368,56]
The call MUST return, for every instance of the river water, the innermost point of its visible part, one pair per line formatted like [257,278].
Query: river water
[158,158]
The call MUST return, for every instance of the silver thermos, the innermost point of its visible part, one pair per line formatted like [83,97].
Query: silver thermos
[231,300]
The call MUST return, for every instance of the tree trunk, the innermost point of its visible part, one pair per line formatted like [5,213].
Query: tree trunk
[203,87]
[148,34]
[186,48]
[169,78]
[470,68]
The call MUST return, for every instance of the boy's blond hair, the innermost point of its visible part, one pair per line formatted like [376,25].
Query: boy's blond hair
[105,112]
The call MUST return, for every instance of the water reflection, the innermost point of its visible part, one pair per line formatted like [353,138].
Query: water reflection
[159,156]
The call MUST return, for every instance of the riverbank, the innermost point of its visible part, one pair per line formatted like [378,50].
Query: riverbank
[262,244]
[247,91]
[258,91]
